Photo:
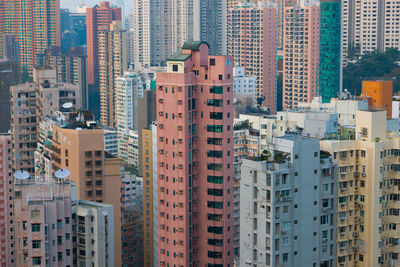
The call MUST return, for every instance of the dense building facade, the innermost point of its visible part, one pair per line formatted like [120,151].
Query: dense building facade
[113,63]
[97,18]
[369,26]
[94,224]
[300,54]
[368,183]
[7,238]
[195,158]
[72,140]
[35,24]
[330,56]
[251,41]
[43,223]
[288,206]
[149,144]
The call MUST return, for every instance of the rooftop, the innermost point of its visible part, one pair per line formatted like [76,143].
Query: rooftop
[178,56]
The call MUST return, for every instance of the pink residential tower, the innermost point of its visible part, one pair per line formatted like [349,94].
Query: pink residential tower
[195,159]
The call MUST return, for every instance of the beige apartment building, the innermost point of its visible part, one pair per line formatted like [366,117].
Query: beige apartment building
[113,62]
[368,193]
[75,142]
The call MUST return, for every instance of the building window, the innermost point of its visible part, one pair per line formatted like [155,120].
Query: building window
[216,89]
[212,61]
[215,128]
[215,179]
[35,244]
[36,227]
[174,67]
[36,260]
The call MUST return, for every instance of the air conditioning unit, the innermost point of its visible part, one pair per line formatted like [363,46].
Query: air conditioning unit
[360,206]
[325,240]
[355,248]
[355,233]
[363,174]
[361,220]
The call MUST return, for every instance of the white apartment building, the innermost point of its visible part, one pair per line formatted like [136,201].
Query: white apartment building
[370,25]
[127,90]
[288,207]
[243,86]
[94,233]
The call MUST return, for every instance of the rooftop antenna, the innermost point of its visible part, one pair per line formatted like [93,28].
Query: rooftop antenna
[61,175]
[21,175]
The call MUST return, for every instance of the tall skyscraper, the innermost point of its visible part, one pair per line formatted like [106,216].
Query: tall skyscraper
[211,24]
[35,24]
[7,238]
[126,99]
[369,26]
[153,31]
[300,55]
[251,41]
[330,56]
[98,18]
[113,62]
[149,174]
[195,158]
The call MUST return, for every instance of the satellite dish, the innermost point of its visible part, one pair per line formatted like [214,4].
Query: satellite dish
[62,173]
[21,175]
[67,105]
[78,129]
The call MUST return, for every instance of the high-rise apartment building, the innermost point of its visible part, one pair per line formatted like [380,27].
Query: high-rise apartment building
[94,233]
[35,24]
[149,177]
[195,158]
[98,18]
[112,64]
[73,140]
[211,24]
[288,206]
[379,95]
[9,75]
[367,183]
[330,56]
[43,223]
[300,54]
[368,26]
[126,98]
[7,238]
[246,145]
[25,115]
[70,67]
[251,41]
